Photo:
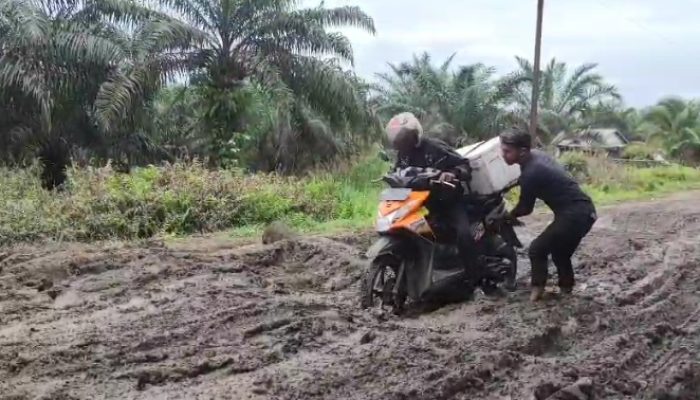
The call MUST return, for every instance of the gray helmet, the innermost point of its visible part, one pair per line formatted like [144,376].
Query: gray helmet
[402,126]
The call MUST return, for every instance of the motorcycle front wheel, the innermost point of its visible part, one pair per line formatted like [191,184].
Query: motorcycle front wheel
[377,286]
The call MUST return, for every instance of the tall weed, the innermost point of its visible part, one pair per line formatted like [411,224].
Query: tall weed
[177,199]
[184,198]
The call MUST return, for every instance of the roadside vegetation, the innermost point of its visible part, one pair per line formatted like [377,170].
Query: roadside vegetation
[123,119]
[188,198]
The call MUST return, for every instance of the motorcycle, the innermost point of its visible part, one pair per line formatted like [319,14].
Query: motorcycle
[416,257]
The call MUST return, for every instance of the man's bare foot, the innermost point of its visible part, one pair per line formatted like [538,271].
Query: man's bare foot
[565,291]
[537,293]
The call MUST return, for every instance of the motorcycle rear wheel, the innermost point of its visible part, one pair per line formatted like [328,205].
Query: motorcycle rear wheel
[376,288]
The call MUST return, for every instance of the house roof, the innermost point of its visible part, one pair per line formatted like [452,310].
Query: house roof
[602,137]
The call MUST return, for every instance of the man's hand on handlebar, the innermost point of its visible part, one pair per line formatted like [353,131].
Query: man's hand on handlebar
[447,177]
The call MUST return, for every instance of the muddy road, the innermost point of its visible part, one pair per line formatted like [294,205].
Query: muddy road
[207,320]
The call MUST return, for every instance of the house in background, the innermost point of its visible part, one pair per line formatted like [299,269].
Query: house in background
[610,140]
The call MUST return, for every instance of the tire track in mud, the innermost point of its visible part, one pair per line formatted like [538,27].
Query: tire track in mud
[664,344]
[208,320]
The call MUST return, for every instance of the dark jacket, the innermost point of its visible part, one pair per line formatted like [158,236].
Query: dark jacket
[543,178]
[434,153]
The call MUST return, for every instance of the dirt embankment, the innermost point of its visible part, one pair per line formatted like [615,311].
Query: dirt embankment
[281,322]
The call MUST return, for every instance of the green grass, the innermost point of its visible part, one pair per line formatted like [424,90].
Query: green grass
[644,183]
[182,199]
[606,182]
[179,199]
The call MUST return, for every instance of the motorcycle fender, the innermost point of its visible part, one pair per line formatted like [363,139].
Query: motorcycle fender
[383,246]
[508,234]
[417,272]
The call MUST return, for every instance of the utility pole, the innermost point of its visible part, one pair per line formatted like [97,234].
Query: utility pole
[536,74]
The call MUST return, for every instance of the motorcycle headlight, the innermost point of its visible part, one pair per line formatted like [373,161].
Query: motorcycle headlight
[384,222]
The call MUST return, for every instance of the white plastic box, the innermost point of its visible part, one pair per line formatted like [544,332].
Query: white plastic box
[490,173]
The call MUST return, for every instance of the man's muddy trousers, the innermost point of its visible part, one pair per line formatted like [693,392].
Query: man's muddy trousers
[560,240]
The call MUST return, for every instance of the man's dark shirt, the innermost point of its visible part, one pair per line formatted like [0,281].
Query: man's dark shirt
[543,178]
[434,153]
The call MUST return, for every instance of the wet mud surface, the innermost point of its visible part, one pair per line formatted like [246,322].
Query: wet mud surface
[203,320]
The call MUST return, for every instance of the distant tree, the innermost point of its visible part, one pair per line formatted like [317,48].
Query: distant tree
[296,59]
[456,104]
[613,114]
[564,97]
[72,75]
[675,124]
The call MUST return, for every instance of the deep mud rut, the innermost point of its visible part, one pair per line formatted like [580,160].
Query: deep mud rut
[211,321]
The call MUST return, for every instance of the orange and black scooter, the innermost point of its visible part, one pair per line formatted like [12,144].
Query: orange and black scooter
[415,257]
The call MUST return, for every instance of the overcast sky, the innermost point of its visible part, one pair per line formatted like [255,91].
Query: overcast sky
[648,48]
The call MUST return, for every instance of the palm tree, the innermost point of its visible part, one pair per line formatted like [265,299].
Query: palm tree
[675,124]
[417,87]
[176,123]
[564,98]
[456,105]
[292,53]
[688,146]
[613,114]
[72,76]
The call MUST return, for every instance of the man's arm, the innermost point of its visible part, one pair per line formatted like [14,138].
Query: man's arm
[451,161]
[526,203]
[396,164]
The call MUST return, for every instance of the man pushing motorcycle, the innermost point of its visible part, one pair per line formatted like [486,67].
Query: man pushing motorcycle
[543,178]
[405,134]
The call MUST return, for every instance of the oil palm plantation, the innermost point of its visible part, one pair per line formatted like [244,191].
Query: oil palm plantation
[72,76]
[82,74]
[564,98]
[457,104]
[295,56]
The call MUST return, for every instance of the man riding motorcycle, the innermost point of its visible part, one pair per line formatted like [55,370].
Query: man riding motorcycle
[405,134]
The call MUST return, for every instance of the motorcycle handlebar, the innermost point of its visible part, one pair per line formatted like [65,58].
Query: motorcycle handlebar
[439,182]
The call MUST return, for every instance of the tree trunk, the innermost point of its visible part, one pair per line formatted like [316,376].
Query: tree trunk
[55,158]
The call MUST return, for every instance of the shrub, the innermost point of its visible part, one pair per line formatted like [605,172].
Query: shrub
[640,151]
[177,199]
[576,163]
[602,171]
[28,212]
[183,198]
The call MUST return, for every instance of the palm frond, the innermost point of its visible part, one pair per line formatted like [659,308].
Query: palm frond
[78,47]
[126,13]
[337,17]
[294,33]
[24,77]
[447,63]
[198,12]
[158,36]
[325,88]
[23,22]
[525,65]
[117,96]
